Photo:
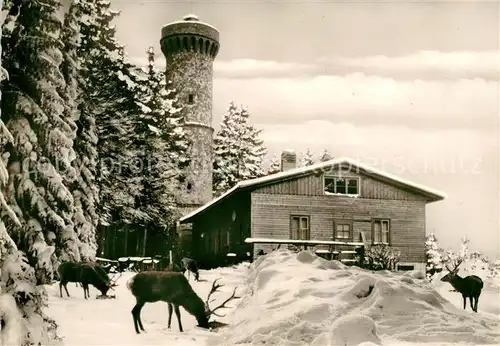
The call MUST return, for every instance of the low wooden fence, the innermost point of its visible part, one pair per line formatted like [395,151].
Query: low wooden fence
[344,255]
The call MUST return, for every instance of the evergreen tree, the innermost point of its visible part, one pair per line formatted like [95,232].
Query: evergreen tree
[39,158]
[108,109]
[36,142]
[238,150]
[450,258]
[83,185]
[162,144]
[433,255]
[275,166]
[307,159]
[464,248]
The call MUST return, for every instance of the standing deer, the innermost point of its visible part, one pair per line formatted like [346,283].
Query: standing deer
[174,289]
[469,286]
[190,265]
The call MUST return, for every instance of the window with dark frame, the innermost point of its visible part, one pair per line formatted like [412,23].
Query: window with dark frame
[342,230]
[300,227]
[381,231]
[345,186]
[191,98]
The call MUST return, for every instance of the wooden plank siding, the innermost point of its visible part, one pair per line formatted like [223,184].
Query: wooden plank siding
[271,219]
[215,225]
[265,211]
[313,185]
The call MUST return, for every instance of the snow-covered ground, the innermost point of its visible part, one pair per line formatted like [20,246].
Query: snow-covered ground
[292,299]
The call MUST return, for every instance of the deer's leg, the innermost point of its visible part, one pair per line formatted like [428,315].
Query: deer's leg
[170,310]
[136,315]
[139,320]
[66,288]
[60,288]
[471,299]
[475,304]
[465,301]
[85,290]
[178,314]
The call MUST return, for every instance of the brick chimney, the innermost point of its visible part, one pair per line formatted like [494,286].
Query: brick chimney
[288,160]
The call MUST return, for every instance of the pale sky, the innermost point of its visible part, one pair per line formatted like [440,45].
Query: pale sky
[411,88]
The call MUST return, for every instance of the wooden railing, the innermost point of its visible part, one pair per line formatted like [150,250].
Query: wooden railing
[331,253]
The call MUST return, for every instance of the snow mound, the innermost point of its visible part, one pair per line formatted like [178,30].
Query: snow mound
[299,298]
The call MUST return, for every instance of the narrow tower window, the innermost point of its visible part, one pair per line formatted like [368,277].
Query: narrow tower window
[189,186]
[191,99]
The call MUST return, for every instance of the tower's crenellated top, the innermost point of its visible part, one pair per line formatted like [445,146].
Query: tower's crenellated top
[190,34]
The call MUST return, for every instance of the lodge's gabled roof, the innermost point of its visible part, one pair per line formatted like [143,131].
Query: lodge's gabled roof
[318,168]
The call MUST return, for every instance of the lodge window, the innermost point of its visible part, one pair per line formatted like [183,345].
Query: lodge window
[342,230]
[191,99]
[344,185]
[381,231]
[300,227]
[406,267]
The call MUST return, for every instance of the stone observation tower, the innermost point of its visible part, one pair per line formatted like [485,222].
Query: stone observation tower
[190,47]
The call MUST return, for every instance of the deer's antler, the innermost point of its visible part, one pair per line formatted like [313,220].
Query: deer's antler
[223,305]
[214,288]
[456,263]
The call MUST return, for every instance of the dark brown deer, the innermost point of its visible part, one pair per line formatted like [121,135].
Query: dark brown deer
[84,273]
[190,265]
[469,286]
[174,289]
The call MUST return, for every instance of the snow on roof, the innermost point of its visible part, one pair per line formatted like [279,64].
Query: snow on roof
[438,195]
[193,19]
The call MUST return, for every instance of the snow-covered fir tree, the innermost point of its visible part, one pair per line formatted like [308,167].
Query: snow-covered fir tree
[464,248]
[109,110]
[163,146]
[433,255]
[83,185]
[450,257]
[275,165]
[25,254]
[238,150]
[307,159]
[40,157]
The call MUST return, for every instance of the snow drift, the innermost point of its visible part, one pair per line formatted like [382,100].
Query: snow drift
[297,299]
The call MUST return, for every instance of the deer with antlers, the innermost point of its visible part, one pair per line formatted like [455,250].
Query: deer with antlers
[469,286]
[174,289]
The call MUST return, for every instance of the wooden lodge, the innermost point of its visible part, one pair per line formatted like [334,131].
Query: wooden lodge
[336,200]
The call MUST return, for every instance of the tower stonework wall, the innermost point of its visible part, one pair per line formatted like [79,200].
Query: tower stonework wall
[190,47]
[191,73]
